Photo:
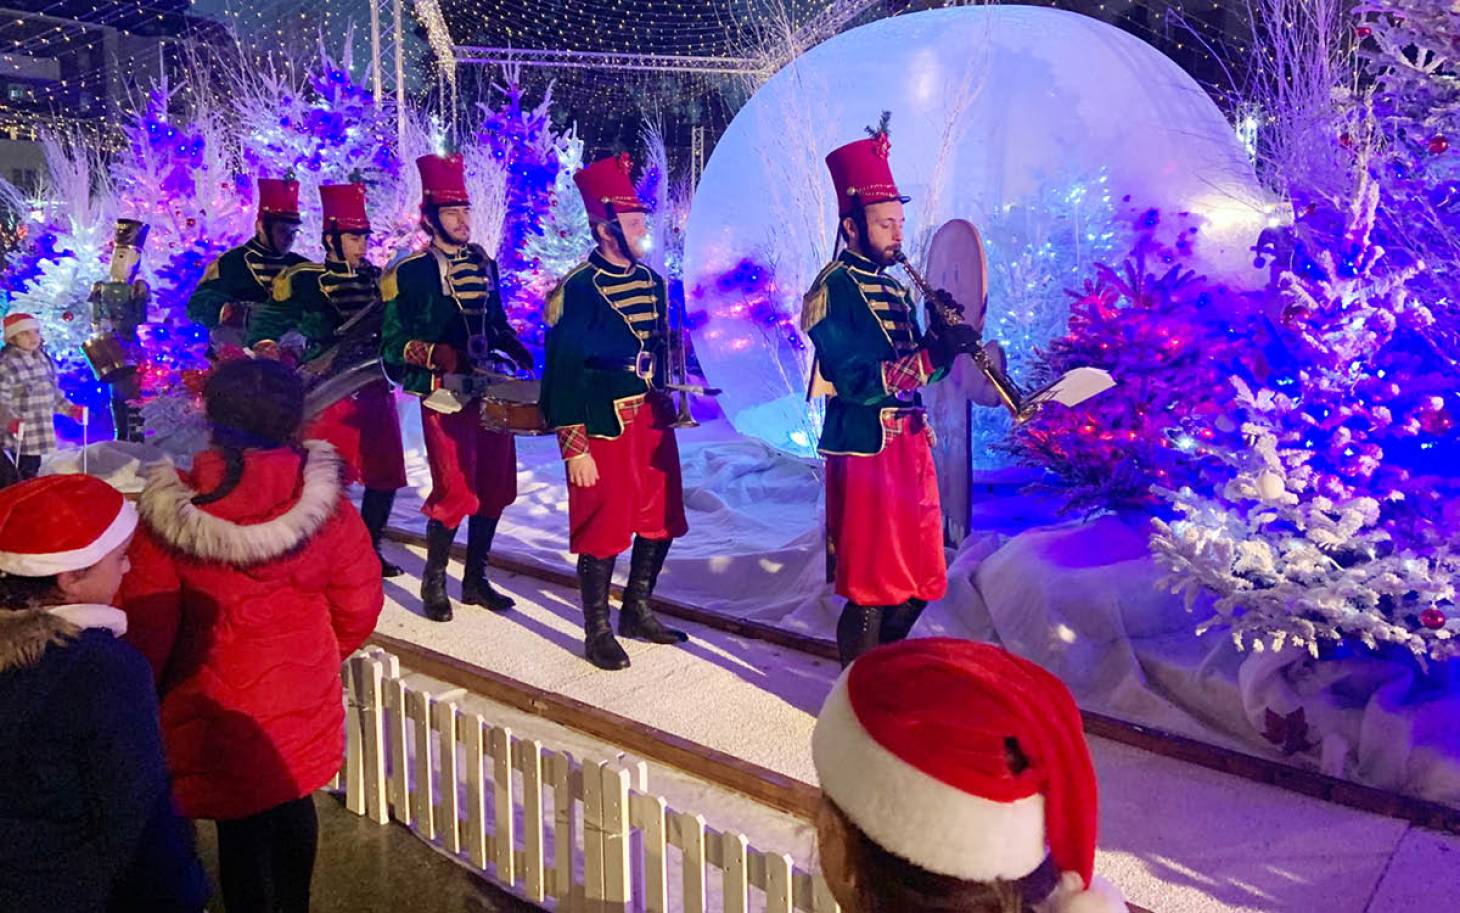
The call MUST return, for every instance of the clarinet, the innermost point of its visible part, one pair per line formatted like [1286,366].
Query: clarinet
[945,311]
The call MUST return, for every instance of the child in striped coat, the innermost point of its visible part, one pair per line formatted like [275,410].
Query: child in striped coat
[30,394]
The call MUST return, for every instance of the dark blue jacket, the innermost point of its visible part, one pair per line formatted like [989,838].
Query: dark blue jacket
[86,819]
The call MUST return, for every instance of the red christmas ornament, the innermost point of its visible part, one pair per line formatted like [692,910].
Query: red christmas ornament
[192,222]
[68,316]
[1432,618]
[1345,140]
[1363,31]
[1438,144]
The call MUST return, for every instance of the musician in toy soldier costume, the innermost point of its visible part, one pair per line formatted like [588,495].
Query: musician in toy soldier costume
[605,353]
[443,315]
[883,515]
[326,315]
[118,307]
[243,278]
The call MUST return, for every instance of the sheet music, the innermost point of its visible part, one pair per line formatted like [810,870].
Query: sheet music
[1074,387]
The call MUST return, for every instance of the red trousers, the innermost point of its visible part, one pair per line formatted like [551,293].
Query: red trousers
[365,429]
[473,471]
[885,520]
[639,488]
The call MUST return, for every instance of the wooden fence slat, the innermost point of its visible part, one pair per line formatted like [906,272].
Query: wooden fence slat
[354,737]
[617,876]
[373,722]
[423,792]
[593,833]
[530,756]
[778,869]
[504,836]
[651,812]
[449,823]
[691,843]
[565,837]
[400,788]
[476,792]
[734,848]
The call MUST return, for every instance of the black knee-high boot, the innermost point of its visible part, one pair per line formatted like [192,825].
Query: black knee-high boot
[375,511]
[898,620]
[636,619]
[857,631]
[476,589]
[434,600]
[595,575]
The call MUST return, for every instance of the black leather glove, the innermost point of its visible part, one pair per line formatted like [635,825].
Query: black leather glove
[945,343]
[944,304]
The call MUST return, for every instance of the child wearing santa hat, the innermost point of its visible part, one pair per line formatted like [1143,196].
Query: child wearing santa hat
[84,793]
[955,777]
[30,394]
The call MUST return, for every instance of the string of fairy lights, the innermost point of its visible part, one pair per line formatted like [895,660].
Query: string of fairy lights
[1201,32]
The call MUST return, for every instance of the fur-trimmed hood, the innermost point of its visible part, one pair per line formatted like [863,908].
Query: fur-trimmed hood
[168,510]
[25,634]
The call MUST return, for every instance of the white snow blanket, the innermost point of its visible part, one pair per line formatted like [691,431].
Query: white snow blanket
[1082,600]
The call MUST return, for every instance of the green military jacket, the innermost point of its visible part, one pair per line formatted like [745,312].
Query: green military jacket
[433,298]
[315,300]
[606,331]
[868,357]
[242,276]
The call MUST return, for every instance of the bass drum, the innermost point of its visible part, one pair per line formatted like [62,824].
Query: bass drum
[511,407]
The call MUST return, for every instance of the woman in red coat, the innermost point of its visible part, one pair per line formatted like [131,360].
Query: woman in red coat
[252,579]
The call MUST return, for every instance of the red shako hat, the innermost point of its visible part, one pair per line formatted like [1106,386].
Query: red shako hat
[19,323]
[443,180]
[861,171]
[609,183]
[912,746]
[343,206]
[61,523]
[279,199]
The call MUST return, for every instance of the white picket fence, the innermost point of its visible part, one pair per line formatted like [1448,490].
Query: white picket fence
[580,834]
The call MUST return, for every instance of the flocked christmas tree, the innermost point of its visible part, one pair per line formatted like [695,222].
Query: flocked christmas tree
[1407,51]
[522,140]
[1337,525]
[565,238]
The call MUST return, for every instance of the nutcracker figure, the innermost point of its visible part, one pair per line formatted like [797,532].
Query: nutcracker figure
[118,308]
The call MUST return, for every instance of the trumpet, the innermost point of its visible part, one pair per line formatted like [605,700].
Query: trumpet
[943,309]
[676,366]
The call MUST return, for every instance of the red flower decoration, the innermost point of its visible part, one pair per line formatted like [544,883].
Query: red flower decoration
[625,163]
[882,145]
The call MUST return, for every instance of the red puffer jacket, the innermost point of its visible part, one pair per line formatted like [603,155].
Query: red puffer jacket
[245,607]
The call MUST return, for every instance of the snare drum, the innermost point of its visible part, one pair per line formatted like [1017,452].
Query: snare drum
[511,407]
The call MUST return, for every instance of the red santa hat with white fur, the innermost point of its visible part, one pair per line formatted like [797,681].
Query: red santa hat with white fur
[18,323]
[61,523]
[967,761]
